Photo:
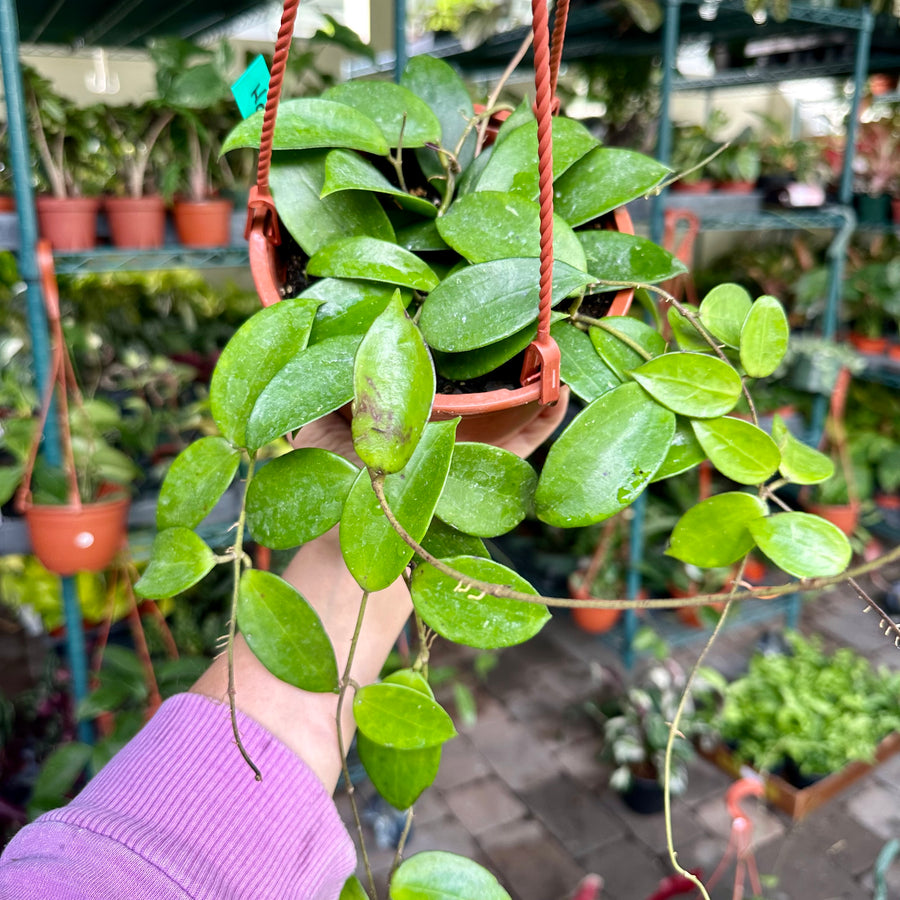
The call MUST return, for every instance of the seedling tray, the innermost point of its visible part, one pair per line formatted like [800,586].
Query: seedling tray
[799,802]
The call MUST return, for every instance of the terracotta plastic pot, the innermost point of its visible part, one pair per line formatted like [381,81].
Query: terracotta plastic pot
[872,346]
[736,187]
[593,621]
[205,223]
[70,539]
[487,417]
[845,516]
[7,203]
[704,186]
[138,222]
[69,223]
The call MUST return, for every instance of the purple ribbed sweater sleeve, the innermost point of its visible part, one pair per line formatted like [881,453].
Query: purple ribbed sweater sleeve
[177,814]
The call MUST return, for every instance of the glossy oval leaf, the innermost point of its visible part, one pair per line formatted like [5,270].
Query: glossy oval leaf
[311,122]
[802,544]
[490,225]
[468,616]
[764,337]
[488,490]
[615,256]
[715,532]
[615,340]
[347,171]
[372,260]
[438,84]
[513,164]
[314,221]
[444,541]
[311,384]
[723,310]
[195,482]
[690,384]
[253,356]
[484,303]
[800,463]
[400,776]
[297,497]
[602,180]
[393,389]
[404,119]
[421,237]
[375,554]
[353,890]
[285,633]
[581,367]
[179,558]
[686,335]
[604,459]
[684,453]
[438,875]
[346,306]
[397,716]
[739,450]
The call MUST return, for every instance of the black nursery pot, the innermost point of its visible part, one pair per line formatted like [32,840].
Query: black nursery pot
[644,796]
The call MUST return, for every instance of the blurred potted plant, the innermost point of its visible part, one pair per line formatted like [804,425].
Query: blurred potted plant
[75,161]
[876,166]
[137,218]
[691,145]
[872,304]
[603,575]
[192,81]
[736,168]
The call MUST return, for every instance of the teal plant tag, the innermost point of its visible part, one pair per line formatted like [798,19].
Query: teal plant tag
[251,88]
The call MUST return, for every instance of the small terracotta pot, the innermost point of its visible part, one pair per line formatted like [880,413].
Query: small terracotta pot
[7,203]
[494,123]
[893,351]
[872,346]
[69,223]
[593,621]
[736,187]
[703,186]
[205,223]
[69,539]
[138,222]
[845,516]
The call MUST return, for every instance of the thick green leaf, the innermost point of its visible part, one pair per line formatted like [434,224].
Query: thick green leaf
[602,180]
[443,542]
[394,715]
[347,306]
[314,382]
[438,875]
[421,237]
[614,256]
[488,490]
[400,776]
[314,221]
[580,367]
[739,450]
[297,497]
[285,633]
[715,533]
[375,554]
[686,336]
[257,351]
[691,384]
[393,381]
[764,337]
[372,260]
[308,123]
[723,310]
[613,340]
[684,453]
[57,776]
[404,119]
[347,171]
[513,164]
[353,890]
[802,544]
[195,481]
[473,363]
[604,459]
[466,615]
[178,560]
[800,463]
[480,304]
[437,83]
[490,225]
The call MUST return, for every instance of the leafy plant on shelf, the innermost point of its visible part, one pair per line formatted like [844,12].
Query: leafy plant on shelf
[422,253]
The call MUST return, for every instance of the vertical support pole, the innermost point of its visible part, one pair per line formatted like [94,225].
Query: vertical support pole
[400,56]
[20,159]
[664,129]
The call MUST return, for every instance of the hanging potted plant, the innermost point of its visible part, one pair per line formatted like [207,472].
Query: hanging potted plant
[76,514]
[415,259]
[137,218]
[74,161]
[191,81]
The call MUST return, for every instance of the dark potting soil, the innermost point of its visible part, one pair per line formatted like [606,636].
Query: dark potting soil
[505,377]
[596,306]
[294,260]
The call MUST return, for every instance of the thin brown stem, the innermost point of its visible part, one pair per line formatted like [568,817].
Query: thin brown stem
[498,87]
[611,329]
[887,624]
[407,825]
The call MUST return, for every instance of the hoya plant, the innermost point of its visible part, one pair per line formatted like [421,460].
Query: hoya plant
[412,263]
